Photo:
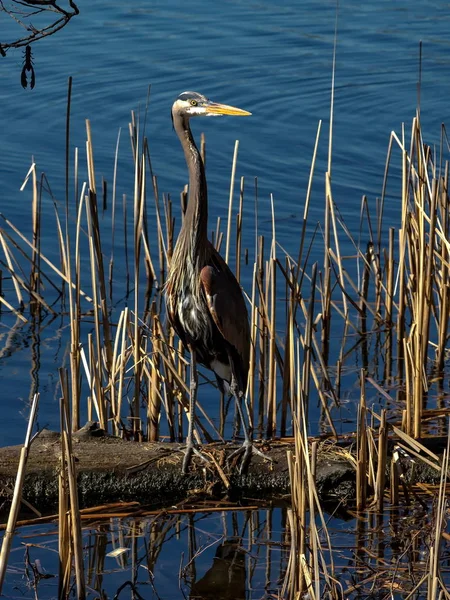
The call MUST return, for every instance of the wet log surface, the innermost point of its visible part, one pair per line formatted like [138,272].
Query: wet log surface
[111,469]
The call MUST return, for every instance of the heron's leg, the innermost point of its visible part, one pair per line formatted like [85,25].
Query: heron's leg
[247,448]
[190,446]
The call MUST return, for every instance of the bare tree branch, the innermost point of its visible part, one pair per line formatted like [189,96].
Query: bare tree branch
[22,11]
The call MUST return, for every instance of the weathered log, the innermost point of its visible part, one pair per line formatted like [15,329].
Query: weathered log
[111,469]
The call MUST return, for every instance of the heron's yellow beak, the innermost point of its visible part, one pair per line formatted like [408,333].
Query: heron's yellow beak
[223,109]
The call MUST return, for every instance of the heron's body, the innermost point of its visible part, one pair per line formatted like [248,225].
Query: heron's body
[204,300]
[208,312]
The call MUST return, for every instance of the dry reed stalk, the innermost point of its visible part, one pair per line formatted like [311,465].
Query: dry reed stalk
[10,267]
[35,298]
[216,236]
[179,368]
[326,276]
[113,215]
[253,345]
[307,349]
[382,462]
[42,256]
[364,286]
[390,279]
[371,458]
[166,378]
[36,235]
[23,280]
[119,362]
[434,577]
[239,218]
[361,448]
[401,317]
[230,200]
[293,581]
[306,207]
[95,349]
[65,549]
[154,399]
[263,335]
[443,273]
[170,226]
[315,540]
[11,308]
[337,252]
[421,219]
[75,521]
[417,341]
[138,213]
[74,292]
[408,423]
[271,384]
[96,240]
[162,251]
[17,496]
[74,527]
[288,397]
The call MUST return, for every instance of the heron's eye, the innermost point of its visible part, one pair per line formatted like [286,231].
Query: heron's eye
[193,102]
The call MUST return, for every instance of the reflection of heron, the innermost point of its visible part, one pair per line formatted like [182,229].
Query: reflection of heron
[204,300]
[226,579]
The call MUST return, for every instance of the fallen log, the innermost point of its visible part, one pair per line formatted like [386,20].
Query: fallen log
[111,469]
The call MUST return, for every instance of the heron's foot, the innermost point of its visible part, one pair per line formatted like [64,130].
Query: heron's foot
[248,449]
[188,451]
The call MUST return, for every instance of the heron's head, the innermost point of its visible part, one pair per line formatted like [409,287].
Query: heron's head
[193,104]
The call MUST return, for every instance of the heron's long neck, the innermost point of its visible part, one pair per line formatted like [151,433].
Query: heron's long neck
[195,222]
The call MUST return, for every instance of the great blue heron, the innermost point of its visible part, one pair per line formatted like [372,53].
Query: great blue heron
[204,300]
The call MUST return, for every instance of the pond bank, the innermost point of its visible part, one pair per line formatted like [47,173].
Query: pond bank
[111,469]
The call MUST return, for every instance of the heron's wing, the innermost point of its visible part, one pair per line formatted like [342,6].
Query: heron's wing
[226,306]
[173,314]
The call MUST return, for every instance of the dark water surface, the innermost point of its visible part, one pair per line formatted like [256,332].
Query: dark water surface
[224,555]
[274,59]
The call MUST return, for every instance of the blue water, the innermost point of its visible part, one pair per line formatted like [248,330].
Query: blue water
[274,59]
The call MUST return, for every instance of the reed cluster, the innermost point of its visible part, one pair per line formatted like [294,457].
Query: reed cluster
[385,307]
[401,301]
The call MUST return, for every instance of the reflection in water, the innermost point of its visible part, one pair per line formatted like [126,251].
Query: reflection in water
[197,556]
[229,555]
[226,578]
